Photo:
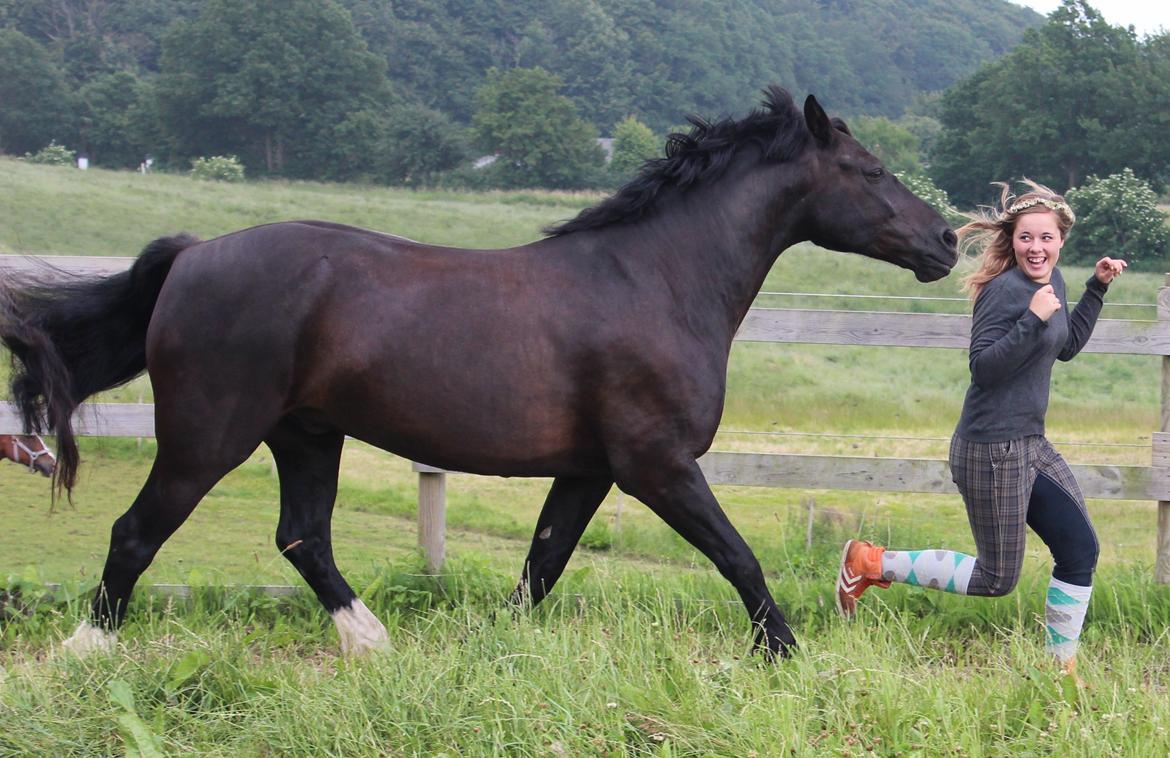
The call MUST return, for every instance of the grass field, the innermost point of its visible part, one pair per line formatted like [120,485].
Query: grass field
[642,649]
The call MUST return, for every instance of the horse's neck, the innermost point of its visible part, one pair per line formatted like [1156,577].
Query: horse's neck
[724,238]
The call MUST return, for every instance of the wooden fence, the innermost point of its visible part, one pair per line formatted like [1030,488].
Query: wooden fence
[829,472]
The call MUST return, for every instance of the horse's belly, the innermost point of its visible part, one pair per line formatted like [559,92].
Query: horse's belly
[473,434]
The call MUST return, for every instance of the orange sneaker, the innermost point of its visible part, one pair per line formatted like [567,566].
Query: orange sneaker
[1069,668]
[861,568]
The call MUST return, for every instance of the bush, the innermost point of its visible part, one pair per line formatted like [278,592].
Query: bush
[218,168]
[52,155]
[1117,216]
[597,536]
[934,196]
[633,145]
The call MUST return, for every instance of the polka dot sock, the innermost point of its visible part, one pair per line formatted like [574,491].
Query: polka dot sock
[938,569]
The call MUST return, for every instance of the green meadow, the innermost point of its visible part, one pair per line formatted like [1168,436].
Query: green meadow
[642,649]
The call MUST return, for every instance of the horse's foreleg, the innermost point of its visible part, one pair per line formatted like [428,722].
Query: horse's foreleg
[567,510]
[308,465]
[682,498]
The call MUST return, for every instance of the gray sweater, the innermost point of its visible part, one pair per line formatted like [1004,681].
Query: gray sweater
[1012,352]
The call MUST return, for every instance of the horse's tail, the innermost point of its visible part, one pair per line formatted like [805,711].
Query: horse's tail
[72,336]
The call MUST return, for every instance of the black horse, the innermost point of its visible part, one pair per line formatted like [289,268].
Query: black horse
[596,355]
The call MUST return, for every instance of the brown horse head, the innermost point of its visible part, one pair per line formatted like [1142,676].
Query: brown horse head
[28,450]
[862,207]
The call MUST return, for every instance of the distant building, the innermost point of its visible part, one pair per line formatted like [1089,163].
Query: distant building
[605,143]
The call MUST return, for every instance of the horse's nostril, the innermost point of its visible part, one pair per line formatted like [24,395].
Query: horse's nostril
[949,238]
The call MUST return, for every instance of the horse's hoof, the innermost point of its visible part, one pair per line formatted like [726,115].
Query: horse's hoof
[89,639]
[360,631]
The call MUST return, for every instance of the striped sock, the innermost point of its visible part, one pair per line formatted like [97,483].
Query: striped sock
[938,569]
[1064,614]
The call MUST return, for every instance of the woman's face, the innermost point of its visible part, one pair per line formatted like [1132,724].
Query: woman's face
[1036,241]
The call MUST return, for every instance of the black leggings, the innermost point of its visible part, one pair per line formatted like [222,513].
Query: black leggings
[1057,519]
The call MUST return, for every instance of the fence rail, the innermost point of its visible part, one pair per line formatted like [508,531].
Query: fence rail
[827,472]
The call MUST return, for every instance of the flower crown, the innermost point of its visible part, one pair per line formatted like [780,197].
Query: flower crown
[1053,205]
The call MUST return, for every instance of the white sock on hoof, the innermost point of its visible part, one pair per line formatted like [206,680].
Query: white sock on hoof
[360,631]
[89,639]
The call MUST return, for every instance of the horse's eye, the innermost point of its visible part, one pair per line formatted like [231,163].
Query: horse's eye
[874,174]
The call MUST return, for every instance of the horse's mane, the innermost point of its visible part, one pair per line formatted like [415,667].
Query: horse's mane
[778,129]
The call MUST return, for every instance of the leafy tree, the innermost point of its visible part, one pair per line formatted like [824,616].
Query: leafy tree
[272,82]
[407,144]
[540,139]
[581,43]
[35,103]
[894,145]
[95,37]
[432,50]
[267,81]
[113,126]
[1078,97]
[1117,216]
[707,57]
[633,144]
[928,191]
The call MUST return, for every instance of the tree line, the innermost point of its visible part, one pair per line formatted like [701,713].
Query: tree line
[960,92]
[394,92]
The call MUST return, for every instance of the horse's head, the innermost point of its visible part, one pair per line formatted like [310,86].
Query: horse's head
[28,450]
[860,207]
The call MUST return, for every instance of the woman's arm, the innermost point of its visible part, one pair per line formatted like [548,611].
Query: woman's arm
[1001,341]
[1084,317]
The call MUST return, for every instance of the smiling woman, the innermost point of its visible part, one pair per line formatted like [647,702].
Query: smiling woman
[1008,473]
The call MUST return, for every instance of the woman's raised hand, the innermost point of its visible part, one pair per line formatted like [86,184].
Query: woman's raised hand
[1107,269]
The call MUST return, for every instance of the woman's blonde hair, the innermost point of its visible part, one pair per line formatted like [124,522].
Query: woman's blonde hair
[991,230]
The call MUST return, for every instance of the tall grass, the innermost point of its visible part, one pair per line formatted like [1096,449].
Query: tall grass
[620,664]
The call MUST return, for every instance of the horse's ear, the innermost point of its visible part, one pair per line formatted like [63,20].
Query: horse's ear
[818,121]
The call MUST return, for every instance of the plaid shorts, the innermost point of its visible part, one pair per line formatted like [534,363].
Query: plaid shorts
[995,480]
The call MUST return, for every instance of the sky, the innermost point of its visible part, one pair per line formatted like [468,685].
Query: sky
[1146,16]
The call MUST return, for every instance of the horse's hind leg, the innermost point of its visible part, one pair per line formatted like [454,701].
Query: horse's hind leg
[176,484]
[307,462]
[567,510]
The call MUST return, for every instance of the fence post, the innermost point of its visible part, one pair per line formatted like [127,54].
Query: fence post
[432,515]
[1162,562]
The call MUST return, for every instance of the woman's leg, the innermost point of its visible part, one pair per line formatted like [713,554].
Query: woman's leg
[1057,513]
[995,480]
